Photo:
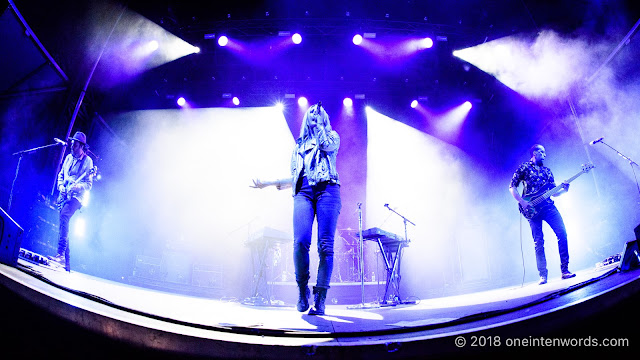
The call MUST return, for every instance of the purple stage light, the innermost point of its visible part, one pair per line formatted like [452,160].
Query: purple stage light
[357,39]
[467,105]
[347,102]
[414,103]
[181,101]
[302,101]
[426,43]
[235,101]
[296,38]
[223,40]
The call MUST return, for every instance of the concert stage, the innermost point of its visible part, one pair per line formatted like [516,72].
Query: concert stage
[46,311]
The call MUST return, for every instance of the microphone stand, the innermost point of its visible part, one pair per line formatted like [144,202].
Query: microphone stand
[22,153]
[404,219]
[631,163]
[362,305]
[361,262]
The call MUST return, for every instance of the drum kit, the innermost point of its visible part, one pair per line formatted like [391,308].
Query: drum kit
[273,262]
[346,256]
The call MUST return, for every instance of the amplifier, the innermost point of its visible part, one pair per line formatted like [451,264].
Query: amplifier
[206,275]
[148,267]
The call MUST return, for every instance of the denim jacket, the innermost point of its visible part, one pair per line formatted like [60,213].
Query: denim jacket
[317,157]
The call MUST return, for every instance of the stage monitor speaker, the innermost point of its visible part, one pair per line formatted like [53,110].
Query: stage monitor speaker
[10,239]
[630,256]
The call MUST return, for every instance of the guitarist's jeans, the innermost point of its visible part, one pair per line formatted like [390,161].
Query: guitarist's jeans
[552,216]
[321,201]
[67,211]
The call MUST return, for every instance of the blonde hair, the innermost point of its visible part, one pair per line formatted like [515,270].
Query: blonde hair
[322,117]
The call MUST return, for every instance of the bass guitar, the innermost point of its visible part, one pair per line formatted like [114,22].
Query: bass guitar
[65,195]
[540,199]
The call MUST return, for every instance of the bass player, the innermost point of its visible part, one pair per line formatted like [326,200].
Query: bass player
[537,178]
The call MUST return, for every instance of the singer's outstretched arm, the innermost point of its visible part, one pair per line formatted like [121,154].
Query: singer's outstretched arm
[279,184]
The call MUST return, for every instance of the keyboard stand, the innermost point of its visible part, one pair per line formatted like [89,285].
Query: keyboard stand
[392,256]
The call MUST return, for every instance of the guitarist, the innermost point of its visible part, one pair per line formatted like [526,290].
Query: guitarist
[71,196]
[537,178]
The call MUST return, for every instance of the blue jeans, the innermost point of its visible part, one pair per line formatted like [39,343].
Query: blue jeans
[552,216]
[321,201]
[67,211]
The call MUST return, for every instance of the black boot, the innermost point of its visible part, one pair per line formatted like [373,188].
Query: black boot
[319,296]
[303,297]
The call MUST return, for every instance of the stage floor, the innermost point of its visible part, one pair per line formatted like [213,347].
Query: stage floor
[172,322]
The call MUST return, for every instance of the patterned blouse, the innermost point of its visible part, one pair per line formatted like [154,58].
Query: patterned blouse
[535,178]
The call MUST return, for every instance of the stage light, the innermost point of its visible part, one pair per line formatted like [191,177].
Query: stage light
[357,39]
[467,105]
[347,102]
[426,43]
[181,101]
[279,106]
[236,101]
[223,40]
[414,104]
[297,39]
[196,49]
[302,101]
[80,227]
[153,45]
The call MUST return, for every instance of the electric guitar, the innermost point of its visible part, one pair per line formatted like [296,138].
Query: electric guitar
[540,199]
[65,195]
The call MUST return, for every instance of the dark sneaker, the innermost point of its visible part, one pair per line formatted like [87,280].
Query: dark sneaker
[567,275]
[543,280]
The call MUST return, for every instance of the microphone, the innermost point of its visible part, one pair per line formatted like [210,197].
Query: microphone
[596,141]
[386,205]
[63,143]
